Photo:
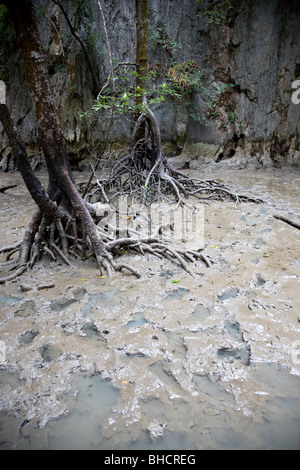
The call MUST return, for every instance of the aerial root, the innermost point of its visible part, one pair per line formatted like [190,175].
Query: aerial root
[146,173]
[39,239]
[152,178]
[155,247]
[52,239]
[110,265]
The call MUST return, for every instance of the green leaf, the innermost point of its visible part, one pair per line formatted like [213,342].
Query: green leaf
[175,282]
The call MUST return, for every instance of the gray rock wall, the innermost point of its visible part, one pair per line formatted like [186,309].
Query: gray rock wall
[249,63]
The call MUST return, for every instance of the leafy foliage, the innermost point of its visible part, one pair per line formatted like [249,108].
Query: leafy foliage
[178,82]
[185,78]
[223,108]
[83,19]
[216,11]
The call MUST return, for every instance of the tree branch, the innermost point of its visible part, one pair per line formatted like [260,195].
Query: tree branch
[287,221]
[95,80]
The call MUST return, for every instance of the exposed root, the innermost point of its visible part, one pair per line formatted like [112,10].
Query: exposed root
[146,174]
[5,188]
[159,248]
[66,238]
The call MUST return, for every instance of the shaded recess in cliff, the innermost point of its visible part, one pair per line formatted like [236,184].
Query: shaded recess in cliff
[248,64]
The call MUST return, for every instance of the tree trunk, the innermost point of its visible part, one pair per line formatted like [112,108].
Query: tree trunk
[61,200]
[33,184]
[36,74]
[141,45]
[61,183]
[139,139]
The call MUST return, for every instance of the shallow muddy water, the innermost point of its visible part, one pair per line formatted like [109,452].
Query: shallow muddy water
[210,362]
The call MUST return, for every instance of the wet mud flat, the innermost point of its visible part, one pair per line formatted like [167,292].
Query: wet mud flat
[166,361]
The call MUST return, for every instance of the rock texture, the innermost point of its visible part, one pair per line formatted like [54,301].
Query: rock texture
[248,62]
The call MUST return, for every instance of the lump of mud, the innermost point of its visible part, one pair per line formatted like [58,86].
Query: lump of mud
[201,312]
[50,352]
[230,293]
[62,304]
[26,309]
[176,294]
[155,429]
[28,337]
[79,293]
[91,332]
[240,354]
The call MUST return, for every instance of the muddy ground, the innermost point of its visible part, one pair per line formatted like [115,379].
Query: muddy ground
[209,362]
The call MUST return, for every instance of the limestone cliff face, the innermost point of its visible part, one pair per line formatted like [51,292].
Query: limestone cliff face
[248,63]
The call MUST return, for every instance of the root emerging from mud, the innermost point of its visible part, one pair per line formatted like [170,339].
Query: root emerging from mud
[67,238]
[146,174]
[71,228]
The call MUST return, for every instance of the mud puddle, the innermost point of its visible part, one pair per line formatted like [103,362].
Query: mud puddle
[209,362]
